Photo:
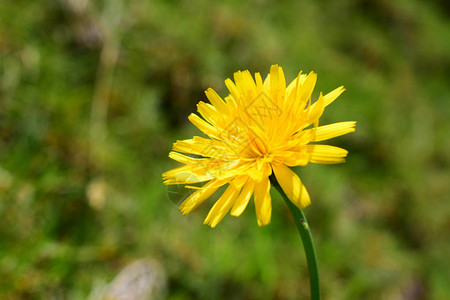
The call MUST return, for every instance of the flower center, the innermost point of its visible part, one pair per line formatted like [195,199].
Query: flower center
[268,158]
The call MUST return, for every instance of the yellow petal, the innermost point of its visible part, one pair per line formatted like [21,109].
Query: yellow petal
[308,86]
[204,126]
[281,80]
[331,96]
[263,203]
[259,171]
[186,175]
[246,84]
[241,202]
[333,130]
[234,91]
[295,158]
[223,205]
[315,111]
[201,195]
[259,82]
[297,82]
[184,159]
[291,185]
[215,100]
[209,148]
[300,138]
[266,84]
[208,112]
[325,154]
[277,86]
[274,78]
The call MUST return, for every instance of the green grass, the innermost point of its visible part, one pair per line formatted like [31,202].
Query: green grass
[75,117]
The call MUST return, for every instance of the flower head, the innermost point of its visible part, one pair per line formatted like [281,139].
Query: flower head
[260,128]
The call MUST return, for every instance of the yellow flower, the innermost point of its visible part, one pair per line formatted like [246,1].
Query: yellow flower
[262,127]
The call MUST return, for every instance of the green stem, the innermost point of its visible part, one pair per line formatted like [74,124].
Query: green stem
[308,245]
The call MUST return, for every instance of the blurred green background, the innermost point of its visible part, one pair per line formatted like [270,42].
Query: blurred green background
[92,95]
